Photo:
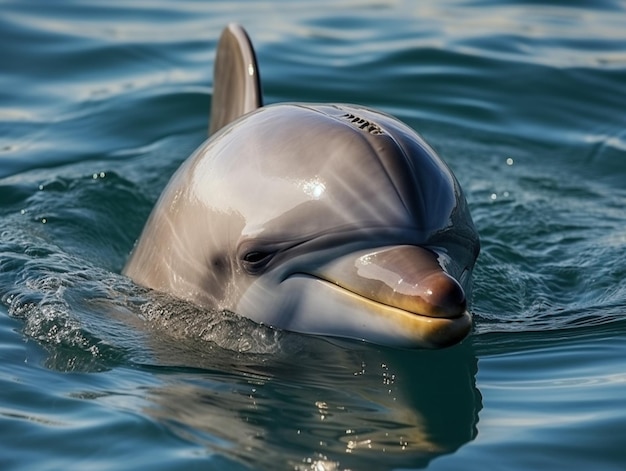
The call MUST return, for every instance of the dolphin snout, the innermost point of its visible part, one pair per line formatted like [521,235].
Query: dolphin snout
[405,277]
[444,296]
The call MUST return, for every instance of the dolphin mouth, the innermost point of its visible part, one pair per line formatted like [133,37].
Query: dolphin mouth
[389,324]
[424,309]
[401,289]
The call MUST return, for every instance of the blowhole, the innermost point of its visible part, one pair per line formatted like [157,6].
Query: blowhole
[363,124]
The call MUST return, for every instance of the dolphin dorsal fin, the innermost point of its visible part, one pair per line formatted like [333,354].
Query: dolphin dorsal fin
[236,81]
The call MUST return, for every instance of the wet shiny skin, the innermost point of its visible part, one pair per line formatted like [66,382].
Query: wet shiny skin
[320,196]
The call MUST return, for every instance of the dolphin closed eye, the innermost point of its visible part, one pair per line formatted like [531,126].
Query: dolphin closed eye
[327,219]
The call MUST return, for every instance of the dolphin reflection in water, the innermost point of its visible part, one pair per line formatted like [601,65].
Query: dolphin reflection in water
[394,409]
[326,219]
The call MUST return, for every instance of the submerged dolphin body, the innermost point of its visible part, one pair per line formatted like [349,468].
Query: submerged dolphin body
[325,219]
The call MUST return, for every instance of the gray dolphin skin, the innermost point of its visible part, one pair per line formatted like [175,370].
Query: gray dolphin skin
[326,219]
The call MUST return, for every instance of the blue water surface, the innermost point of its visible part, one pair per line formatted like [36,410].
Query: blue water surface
[101,101]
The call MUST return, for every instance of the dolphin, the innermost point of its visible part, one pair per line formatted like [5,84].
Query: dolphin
[325,219]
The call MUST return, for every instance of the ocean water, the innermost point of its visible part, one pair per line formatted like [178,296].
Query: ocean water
[101,101]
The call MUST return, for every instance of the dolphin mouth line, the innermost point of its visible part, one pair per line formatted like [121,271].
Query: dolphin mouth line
[389,324]
[365,300]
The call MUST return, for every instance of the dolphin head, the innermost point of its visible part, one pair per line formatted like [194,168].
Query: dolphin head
[325,219]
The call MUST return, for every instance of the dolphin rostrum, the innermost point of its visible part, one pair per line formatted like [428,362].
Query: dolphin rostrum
[326,219]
